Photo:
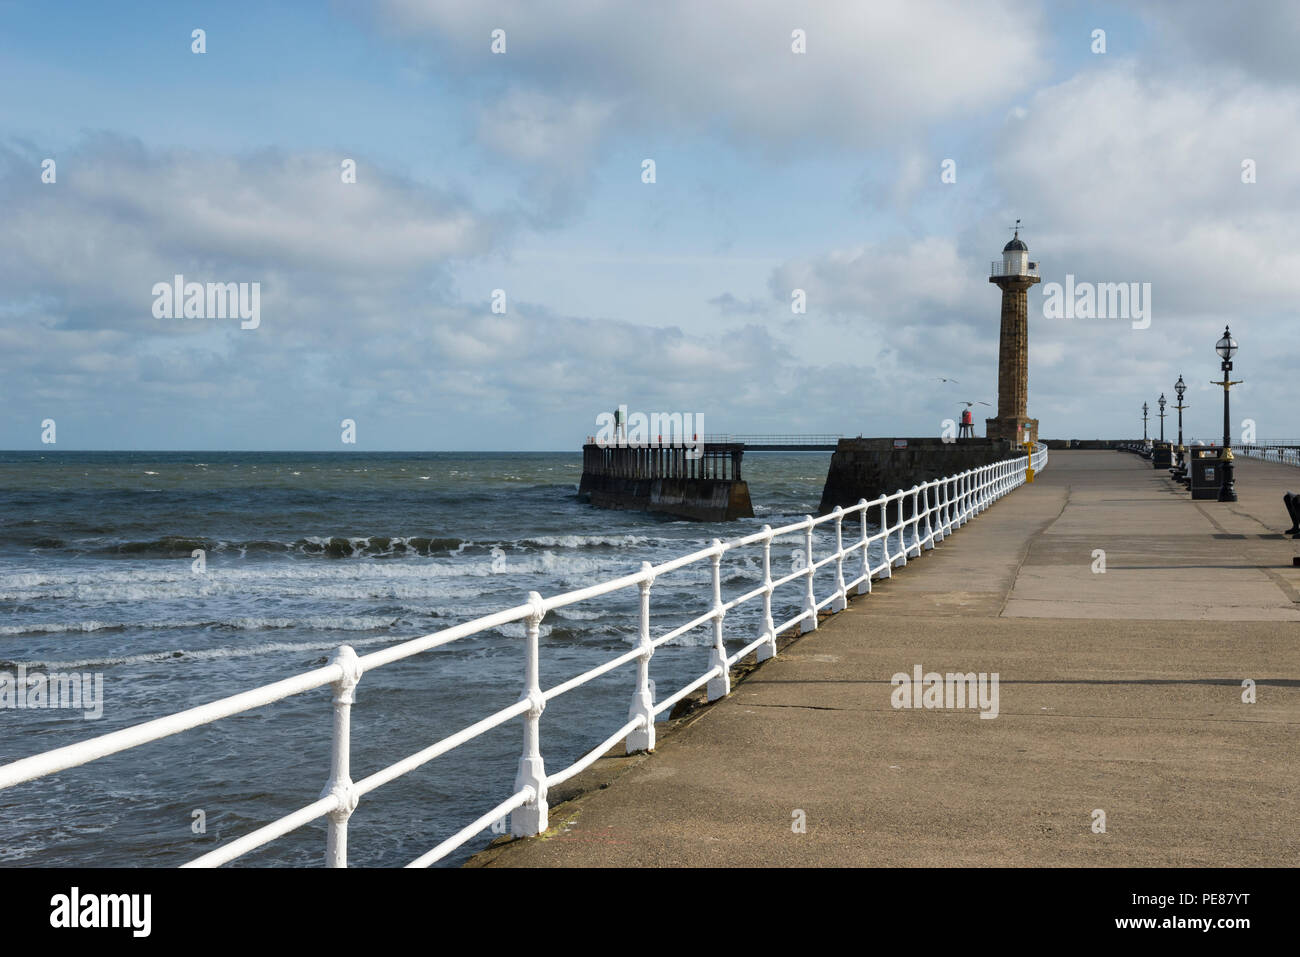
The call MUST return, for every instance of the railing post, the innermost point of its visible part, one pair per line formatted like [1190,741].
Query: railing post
[841,591]
[340,779]
[643,701]
[720,685]
[864,586]
[532,817]
[768,648]
[940,508]
[902,529]
[809,596]
[915,521]
[884,538]
[929,526]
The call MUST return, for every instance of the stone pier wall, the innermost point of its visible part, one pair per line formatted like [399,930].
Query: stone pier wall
[869,468]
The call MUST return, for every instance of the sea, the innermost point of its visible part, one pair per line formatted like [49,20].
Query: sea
[184,577]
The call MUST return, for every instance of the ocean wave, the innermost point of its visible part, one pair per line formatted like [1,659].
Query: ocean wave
[313,546]
[202,654]
[331,546]
[574,613]
[101,581]
[584,541]
[332,623]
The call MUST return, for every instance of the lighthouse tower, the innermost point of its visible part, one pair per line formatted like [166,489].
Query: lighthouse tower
[1014,274]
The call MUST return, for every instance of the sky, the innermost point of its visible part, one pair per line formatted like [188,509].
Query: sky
[878,171]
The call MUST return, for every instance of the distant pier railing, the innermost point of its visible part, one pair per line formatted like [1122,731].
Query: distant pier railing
[1284,454]
[655,460]
[823,442]
[937,509]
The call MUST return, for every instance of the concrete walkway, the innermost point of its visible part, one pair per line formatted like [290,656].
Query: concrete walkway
[1119,691]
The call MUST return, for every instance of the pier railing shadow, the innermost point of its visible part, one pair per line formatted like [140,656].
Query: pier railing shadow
[883,534]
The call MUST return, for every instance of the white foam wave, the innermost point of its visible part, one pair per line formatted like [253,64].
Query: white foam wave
[584,541]
[202,654]
[288,579]
[334,623]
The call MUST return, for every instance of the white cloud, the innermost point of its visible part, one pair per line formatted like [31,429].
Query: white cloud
[727,66]
[1257,37]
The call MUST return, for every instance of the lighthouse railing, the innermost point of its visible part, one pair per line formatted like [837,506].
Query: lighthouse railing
[1001,268]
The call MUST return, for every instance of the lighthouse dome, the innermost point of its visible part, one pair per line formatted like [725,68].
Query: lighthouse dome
[1015,246]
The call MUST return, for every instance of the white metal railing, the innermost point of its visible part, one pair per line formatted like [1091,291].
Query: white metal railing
[937,508]
[1000,268]
[1282,454]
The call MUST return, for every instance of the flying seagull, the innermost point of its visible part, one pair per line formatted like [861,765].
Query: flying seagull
[942,379]
[969,404]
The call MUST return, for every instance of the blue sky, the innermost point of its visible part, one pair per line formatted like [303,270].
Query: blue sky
[521,172]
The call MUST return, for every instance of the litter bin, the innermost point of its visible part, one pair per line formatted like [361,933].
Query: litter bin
[1206,474]
[1162,456]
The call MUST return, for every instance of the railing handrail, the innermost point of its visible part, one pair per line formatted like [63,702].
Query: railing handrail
[949,502]
[1282,454]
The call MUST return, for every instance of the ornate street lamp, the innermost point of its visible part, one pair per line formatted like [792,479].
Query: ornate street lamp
[1161,403]
[1180,389]
[1145,409]
[1226,348]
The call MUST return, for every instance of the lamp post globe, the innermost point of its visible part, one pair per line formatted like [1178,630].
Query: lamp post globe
[1226,347]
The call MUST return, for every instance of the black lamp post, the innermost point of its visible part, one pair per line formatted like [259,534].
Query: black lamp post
[1226,348]
[1145,409]
[1180,389]
[1161,403]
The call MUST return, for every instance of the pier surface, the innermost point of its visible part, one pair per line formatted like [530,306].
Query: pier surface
[1119,692]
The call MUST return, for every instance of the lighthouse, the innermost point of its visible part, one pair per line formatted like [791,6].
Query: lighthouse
[1014,274]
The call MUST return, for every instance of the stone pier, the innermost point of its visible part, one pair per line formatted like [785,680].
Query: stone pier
[697,482]
[1148,648]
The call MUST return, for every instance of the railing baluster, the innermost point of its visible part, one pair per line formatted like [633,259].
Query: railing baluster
[643,702]
[532,817]
[901,528]
[841,591]
[340,779]
[720,684]
[809,598]
[864,586]
[888,571]
[929,526]
[768,649]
